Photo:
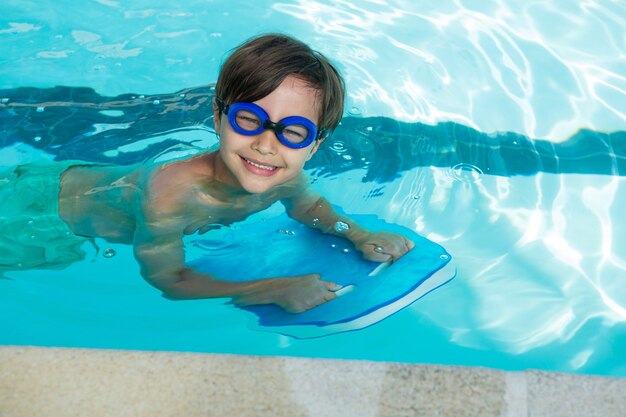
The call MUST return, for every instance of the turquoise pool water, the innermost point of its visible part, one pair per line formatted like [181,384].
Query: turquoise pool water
[496,129]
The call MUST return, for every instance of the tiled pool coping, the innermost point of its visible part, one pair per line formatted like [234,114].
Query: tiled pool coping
[89,382]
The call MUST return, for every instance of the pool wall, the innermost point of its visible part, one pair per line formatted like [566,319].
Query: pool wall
[90,382]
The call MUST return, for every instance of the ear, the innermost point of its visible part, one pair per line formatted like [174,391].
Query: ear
[217,117]
[318,142]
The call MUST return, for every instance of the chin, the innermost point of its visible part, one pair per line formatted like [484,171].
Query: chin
[261,185]
[254,187]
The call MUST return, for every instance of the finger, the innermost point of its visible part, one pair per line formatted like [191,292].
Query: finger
[378,256]
[331,286]
[329,296]
[401,248]
[409,244]
[296,309]
[314,303]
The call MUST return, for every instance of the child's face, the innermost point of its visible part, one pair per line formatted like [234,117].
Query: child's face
[258,163]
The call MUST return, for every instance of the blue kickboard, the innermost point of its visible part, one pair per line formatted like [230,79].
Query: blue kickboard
[280,246]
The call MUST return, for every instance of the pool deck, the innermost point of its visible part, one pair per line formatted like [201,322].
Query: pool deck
[89,382]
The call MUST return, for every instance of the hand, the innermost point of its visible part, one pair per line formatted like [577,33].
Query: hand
[384,246]
[294,294]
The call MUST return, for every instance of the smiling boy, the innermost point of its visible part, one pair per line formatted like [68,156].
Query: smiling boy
[276,101]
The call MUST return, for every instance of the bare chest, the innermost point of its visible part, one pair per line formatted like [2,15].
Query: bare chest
[209,213]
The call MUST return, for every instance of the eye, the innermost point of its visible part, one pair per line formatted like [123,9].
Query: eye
[295,133]
[247,120]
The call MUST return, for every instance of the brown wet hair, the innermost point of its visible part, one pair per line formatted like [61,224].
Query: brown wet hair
[258,66]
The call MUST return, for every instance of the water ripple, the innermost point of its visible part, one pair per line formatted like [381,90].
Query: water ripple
[532,68]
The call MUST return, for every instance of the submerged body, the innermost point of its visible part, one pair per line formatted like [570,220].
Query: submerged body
[179,198]
[152,206]
[271,117]
[32,235]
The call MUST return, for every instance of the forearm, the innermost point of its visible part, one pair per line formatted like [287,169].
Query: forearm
[191,284]
[375,246]
[323,217]
[163,266]
[293,294]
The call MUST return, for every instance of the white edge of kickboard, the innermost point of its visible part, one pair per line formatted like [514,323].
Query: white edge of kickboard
[309,331]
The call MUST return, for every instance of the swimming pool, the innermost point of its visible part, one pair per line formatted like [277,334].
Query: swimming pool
[495,129]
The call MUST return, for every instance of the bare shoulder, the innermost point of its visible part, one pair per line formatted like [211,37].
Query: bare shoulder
[171,184]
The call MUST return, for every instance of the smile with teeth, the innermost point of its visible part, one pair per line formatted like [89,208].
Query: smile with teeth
[267,168]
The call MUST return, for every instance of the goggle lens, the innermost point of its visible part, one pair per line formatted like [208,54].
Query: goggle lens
[248,121]
[296,133]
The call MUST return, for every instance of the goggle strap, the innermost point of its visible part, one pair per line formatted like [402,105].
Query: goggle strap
[221,106]
[322,134]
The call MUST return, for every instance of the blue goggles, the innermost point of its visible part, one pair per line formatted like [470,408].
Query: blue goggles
[250,119]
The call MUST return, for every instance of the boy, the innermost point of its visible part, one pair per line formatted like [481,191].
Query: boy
[276,101]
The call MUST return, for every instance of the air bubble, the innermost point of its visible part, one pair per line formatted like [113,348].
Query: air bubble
[355,111]
[109,253]
[142,97]
[286,232]
[315,220]
[181,95]
[333,246]
[37,138]
[156,102]
[347,157]
[40,109]
[5,100]
[345,250]
[341,227]
[444,257]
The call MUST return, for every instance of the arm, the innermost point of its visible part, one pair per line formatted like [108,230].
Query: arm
[162,262]
[312,209]
[161,258]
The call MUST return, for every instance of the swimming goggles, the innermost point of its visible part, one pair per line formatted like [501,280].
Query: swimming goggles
[250,119]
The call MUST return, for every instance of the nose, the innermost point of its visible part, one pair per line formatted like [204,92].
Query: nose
[265,142]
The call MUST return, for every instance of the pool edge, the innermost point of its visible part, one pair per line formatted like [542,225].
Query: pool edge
[93,382]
